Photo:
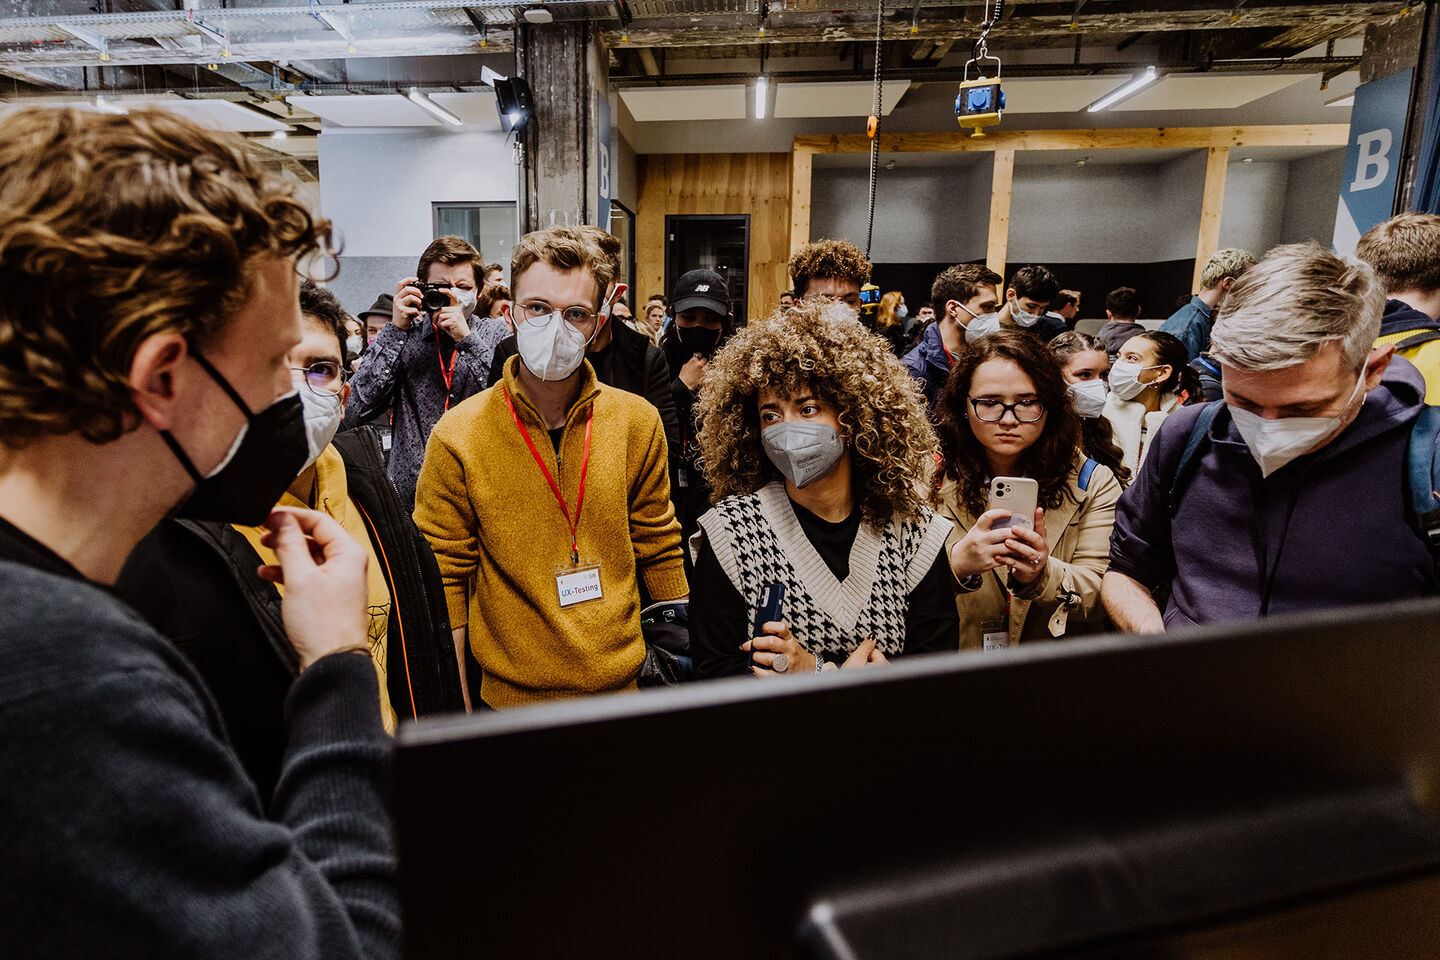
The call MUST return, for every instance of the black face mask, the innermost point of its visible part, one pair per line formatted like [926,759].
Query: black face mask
[271,453]
[699,340]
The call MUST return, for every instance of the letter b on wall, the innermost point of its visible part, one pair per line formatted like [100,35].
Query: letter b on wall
[1372,158]
[1373,166]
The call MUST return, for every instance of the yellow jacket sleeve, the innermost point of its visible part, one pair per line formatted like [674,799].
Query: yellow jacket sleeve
[446,517]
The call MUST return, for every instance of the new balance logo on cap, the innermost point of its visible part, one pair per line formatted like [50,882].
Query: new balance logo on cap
[702,288]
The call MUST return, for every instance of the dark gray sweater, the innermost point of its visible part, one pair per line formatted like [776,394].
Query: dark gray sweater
[127,826]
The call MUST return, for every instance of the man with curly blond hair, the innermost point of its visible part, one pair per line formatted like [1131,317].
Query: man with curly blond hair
[1192,322]
[151,272]
[815,442]
[830,268]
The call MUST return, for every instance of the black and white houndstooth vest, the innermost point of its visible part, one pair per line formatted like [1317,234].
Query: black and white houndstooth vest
[758,540]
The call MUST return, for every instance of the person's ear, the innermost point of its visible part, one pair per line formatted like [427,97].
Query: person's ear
[1376,365]
[1109,315]
[344,398]
[158,378]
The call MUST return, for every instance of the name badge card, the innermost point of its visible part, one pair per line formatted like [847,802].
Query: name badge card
[995,634]
[578,584]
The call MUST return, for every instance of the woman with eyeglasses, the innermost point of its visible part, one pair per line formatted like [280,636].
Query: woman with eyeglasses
[1150,379]
[1006,413]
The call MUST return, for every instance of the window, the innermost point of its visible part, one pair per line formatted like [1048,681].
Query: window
[490,226]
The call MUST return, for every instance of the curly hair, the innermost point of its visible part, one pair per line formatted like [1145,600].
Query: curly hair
[1049,460]
[114,229]
[828,258]
[819,347]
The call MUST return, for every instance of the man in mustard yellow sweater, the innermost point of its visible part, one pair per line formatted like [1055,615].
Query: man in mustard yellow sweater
[546,498]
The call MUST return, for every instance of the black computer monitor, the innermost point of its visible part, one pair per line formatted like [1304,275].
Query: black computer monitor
[1085,797]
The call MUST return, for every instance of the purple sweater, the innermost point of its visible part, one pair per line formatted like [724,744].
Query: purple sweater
[1328,529]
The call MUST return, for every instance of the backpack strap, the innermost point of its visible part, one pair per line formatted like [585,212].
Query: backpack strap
[1418,340]
[1422,475]
[1198,433]
[1086,471]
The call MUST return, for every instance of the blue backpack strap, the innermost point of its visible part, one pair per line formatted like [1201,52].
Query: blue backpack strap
[1086,470]
[1198,432]
[1422,475]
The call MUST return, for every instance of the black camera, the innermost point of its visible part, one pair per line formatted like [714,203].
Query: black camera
[433,296]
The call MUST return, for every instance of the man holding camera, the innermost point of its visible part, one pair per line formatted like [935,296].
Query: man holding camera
[432,355]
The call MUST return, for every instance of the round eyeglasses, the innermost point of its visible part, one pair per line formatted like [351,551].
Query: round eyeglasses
[991,411]
[538,309]
[322,377]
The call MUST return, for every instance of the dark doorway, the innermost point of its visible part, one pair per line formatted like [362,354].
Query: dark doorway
[719,243]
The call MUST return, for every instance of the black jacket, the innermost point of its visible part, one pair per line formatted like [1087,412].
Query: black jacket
[197,584]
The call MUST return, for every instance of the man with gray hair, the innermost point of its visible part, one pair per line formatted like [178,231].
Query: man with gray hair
[1192,322]
[1290,494]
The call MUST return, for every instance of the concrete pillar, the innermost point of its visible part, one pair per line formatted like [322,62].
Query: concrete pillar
[567,68]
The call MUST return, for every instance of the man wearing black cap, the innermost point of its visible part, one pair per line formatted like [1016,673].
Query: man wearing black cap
[701,305]
[374,319]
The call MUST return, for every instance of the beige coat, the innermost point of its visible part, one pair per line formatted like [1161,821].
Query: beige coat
[1065,599]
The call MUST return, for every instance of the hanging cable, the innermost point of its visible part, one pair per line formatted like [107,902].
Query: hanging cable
[873,128]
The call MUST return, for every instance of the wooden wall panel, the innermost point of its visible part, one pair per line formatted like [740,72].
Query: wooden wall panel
[757,184]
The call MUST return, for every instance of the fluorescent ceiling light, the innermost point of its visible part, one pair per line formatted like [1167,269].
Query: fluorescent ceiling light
[417,97]
[1130,89]
[761,88]
[109,106]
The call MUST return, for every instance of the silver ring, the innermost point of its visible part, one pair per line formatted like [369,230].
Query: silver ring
[780,664]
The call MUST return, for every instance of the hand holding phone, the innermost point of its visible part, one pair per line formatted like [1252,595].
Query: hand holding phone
[770,610]
[1019,495]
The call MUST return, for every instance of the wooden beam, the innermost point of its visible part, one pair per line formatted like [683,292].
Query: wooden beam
[1216,165]
[801,164]
[1180,138]
[1001,182]
[852,25]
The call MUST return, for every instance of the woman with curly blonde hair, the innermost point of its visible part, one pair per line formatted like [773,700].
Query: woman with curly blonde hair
[815,443]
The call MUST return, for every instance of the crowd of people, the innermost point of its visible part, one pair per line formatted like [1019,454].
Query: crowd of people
[243,534]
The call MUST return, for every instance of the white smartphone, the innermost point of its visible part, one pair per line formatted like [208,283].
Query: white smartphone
[1019,495]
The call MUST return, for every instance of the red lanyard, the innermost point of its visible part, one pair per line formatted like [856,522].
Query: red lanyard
[555,487]
[948,354]
[447,375]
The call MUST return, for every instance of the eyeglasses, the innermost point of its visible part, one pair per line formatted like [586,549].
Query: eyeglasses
[991,411]
[537,309]
[322,377]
